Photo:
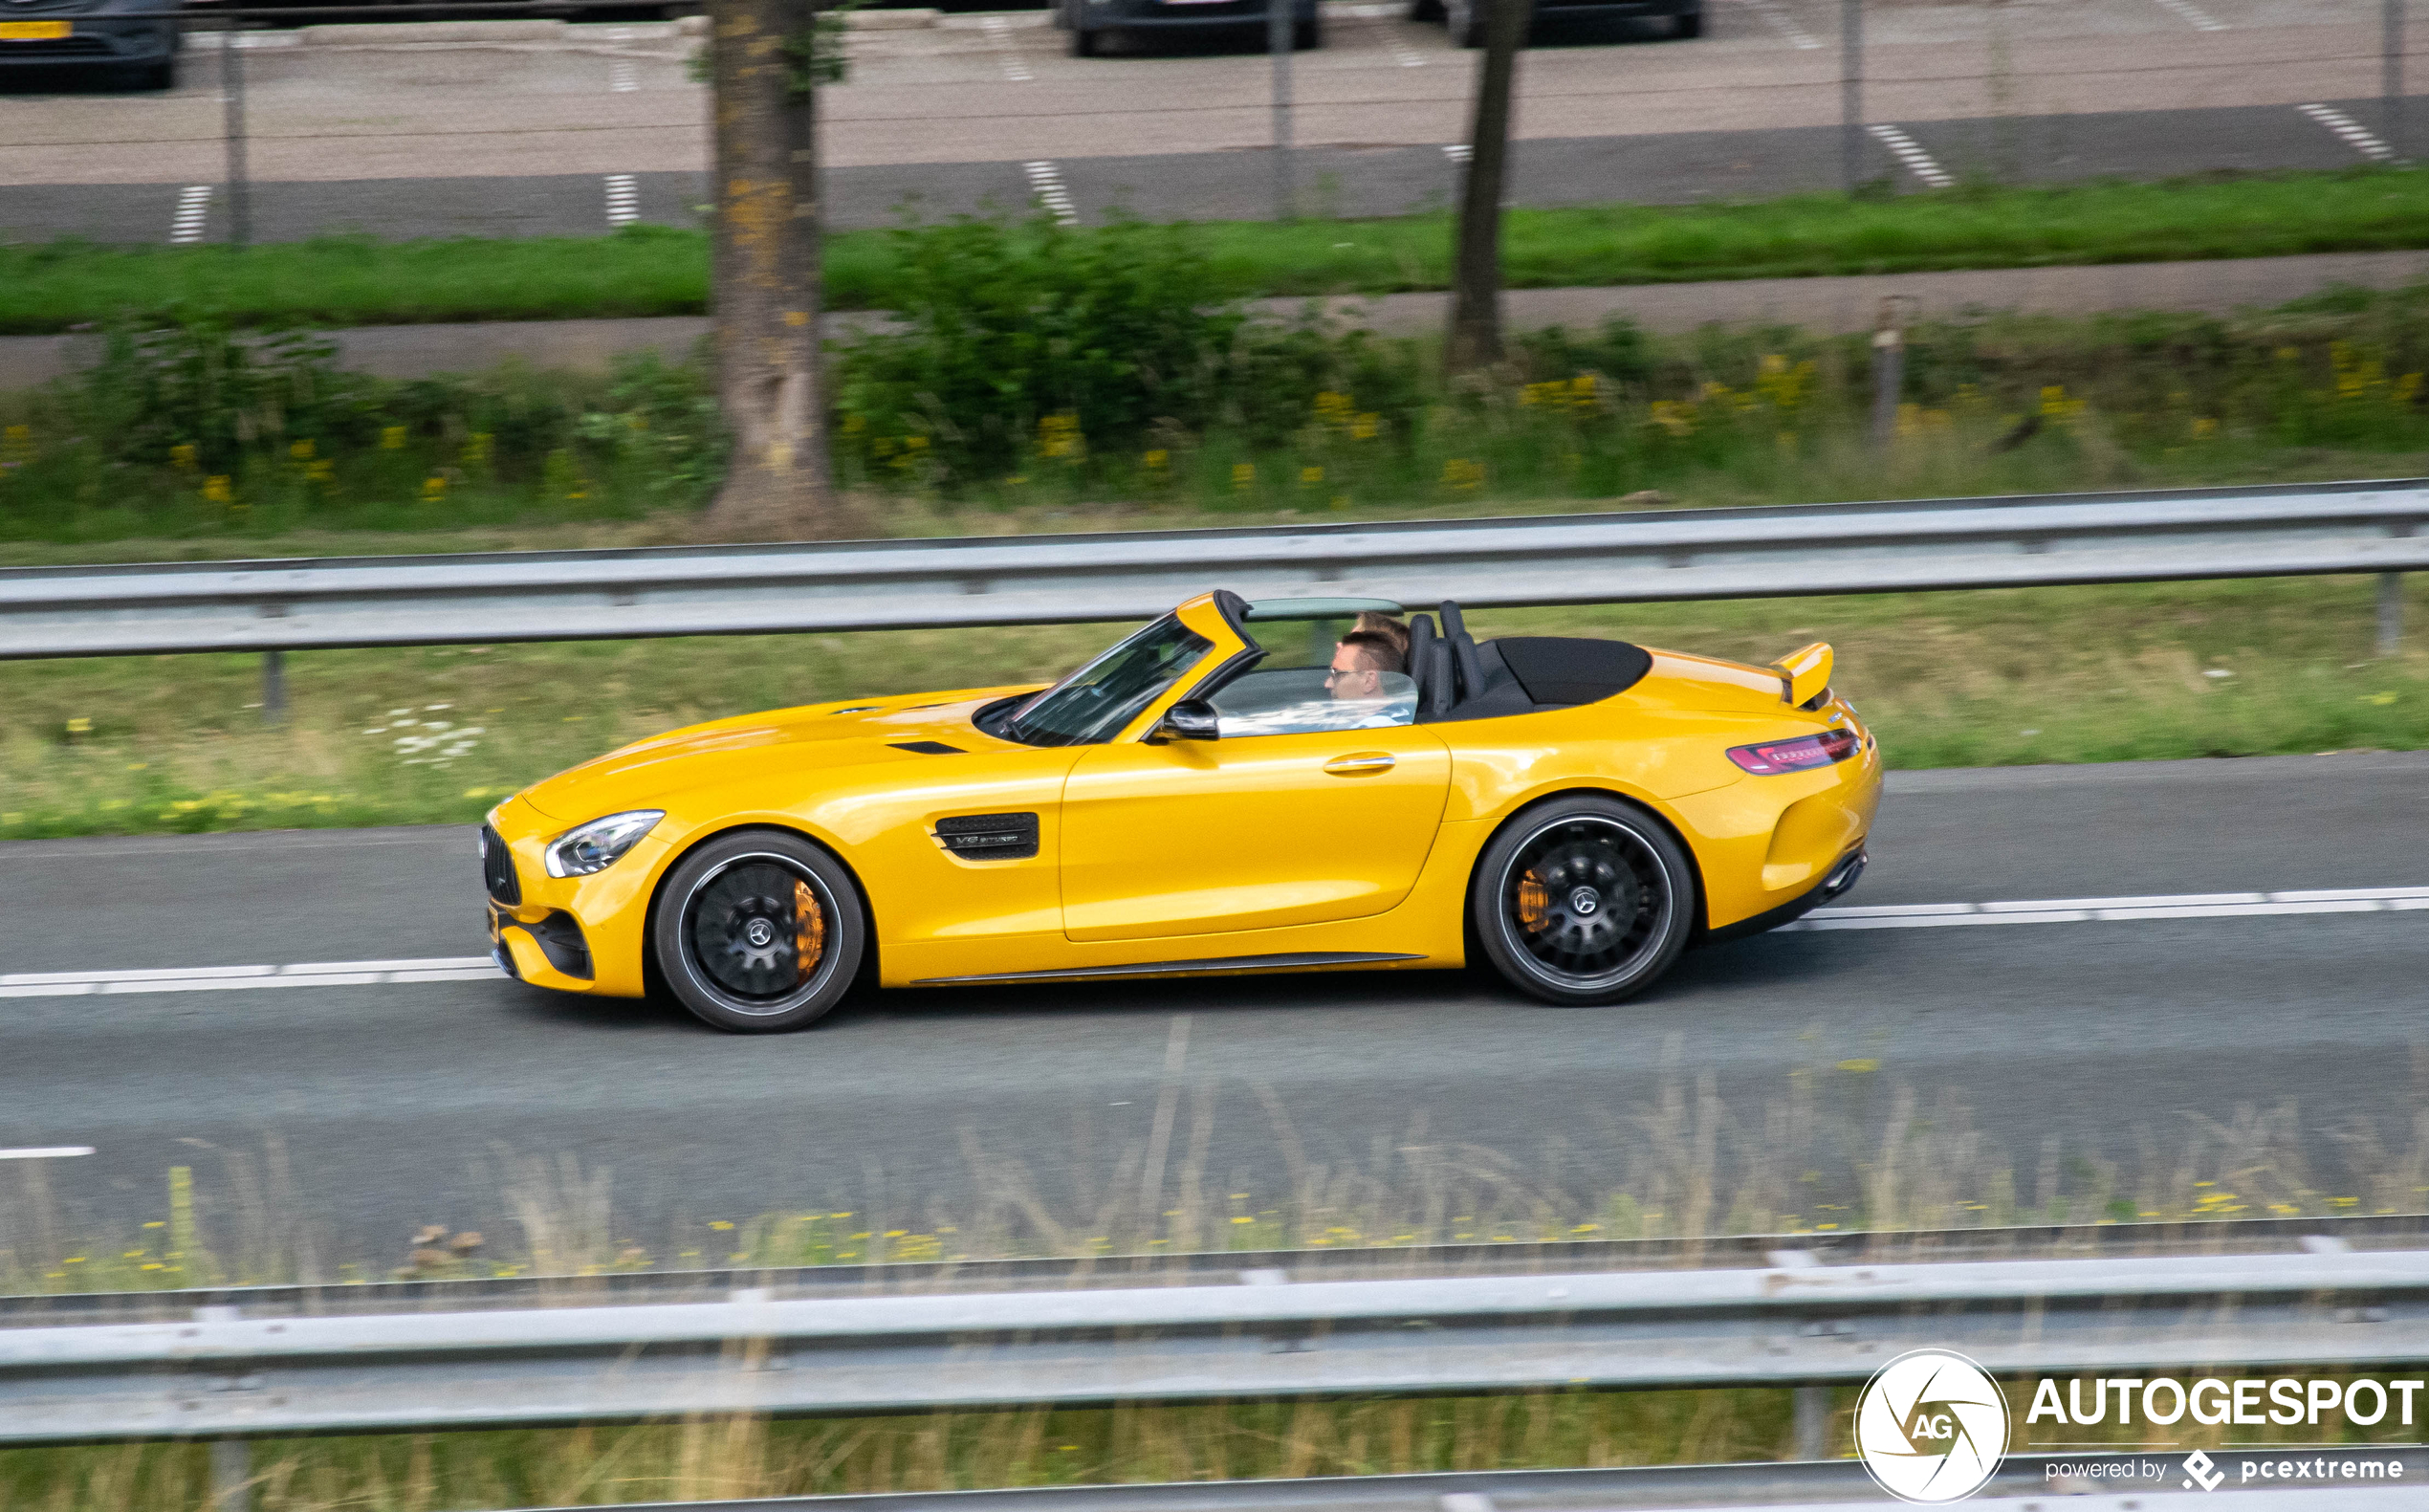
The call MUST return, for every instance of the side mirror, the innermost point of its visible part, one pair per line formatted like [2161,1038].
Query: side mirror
[1191,719]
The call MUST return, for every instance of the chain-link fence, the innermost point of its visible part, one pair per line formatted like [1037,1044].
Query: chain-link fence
[450,120]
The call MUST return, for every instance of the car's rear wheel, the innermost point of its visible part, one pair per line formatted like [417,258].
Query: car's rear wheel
[758,931]
[1582,900]
[1688,26]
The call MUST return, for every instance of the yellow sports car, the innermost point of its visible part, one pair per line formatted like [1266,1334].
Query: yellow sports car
[1238,787]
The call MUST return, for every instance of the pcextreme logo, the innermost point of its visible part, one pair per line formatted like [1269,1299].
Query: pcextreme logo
[1930,1426]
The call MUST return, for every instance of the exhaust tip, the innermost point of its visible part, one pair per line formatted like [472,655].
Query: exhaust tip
[1844,876]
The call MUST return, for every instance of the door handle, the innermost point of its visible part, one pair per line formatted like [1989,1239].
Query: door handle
[1363,762]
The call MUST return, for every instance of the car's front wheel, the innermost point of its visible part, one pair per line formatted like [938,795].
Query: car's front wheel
[1582,900]
[758,931]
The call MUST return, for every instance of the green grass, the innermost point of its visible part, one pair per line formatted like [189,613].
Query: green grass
[643,271]
[173,743]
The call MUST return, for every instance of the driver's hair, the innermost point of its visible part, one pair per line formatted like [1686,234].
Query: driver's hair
[1374,651]
[1371,622]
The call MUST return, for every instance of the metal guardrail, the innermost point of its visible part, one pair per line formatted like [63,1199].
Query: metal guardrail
[223,1374]
[2366,526]
[1813,1485]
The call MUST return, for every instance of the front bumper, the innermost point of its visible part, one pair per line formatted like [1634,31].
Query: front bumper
[1614,9]
[90,39]
[1159,15]
[575,935]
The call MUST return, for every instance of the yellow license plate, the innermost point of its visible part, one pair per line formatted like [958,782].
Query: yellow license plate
[35,31]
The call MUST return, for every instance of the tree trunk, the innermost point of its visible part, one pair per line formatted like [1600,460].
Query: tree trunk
[764,274]
[1475,283]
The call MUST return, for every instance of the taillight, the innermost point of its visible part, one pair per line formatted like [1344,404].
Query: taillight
[1799,753]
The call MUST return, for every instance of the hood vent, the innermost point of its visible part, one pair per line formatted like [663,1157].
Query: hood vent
[926,747]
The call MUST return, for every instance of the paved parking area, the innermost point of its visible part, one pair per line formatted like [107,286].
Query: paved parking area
[605,127]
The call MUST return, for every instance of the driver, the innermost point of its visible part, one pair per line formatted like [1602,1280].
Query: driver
[1359,662]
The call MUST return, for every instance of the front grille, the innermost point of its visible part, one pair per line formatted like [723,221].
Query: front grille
[989,837]
[497,868]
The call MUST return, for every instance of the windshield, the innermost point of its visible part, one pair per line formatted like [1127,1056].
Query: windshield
[1093,703]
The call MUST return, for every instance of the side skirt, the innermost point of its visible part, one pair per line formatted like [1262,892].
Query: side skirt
[1305,960]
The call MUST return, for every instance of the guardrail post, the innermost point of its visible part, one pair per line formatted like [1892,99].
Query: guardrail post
[1889,371]
[273,687]
[2391,613]
[1813,1422]
[231,1475]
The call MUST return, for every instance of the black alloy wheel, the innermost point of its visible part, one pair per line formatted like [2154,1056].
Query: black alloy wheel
[1584,900]
[758,931]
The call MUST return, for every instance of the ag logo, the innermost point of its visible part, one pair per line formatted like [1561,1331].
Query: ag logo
[1930,1426]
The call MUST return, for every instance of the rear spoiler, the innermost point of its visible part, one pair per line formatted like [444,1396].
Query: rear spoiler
[1803,675]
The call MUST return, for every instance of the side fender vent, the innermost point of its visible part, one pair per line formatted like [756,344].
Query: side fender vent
[989,837]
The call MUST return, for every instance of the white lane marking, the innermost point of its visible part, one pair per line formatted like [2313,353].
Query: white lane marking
[1458,151]
[1784,24]
[47,1152]
[1007,51]
[193,203]
[233,978]
[1045,182]
[1383,16]
[1907,150]
[2202,20]
[623,76]
[623,200]
[2094,910]
[2358,137]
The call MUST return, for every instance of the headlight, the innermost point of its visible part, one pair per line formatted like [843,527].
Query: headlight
[596,845]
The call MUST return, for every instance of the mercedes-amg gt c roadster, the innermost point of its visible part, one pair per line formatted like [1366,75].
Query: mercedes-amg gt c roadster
[1197,801]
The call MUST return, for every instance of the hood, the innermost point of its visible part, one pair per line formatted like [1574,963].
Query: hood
[812,737]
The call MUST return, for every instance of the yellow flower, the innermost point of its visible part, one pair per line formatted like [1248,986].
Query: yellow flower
[434,489]
[1243,475]
[1158,459]
[1365,427]
[181,456]
[79,726]
[217,489]
[1311,475]
[1458,472]
[393,438]
[301,451]
[476,448]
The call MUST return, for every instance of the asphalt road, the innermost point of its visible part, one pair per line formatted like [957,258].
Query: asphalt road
[2066,1044]
[524,139]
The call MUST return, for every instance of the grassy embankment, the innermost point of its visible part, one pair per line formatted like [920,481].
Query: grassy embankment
[645,270]
[423,737]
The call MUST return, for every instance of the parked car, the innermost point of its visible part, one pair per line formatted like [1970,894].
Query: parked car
[1087,20]
[1466,18]
[92,33]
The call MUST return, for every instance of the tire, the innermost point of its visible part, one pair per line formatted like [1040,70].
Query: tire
[1688,27]
[154,76]
[1084,42]
[1425,9]
[1307,35]
[1582,900]
[733,923]
[1466,23]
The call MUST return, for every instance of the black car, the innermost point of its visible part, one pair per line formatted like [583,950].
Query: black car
[93,33]
[1466,17]
[1087,20]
